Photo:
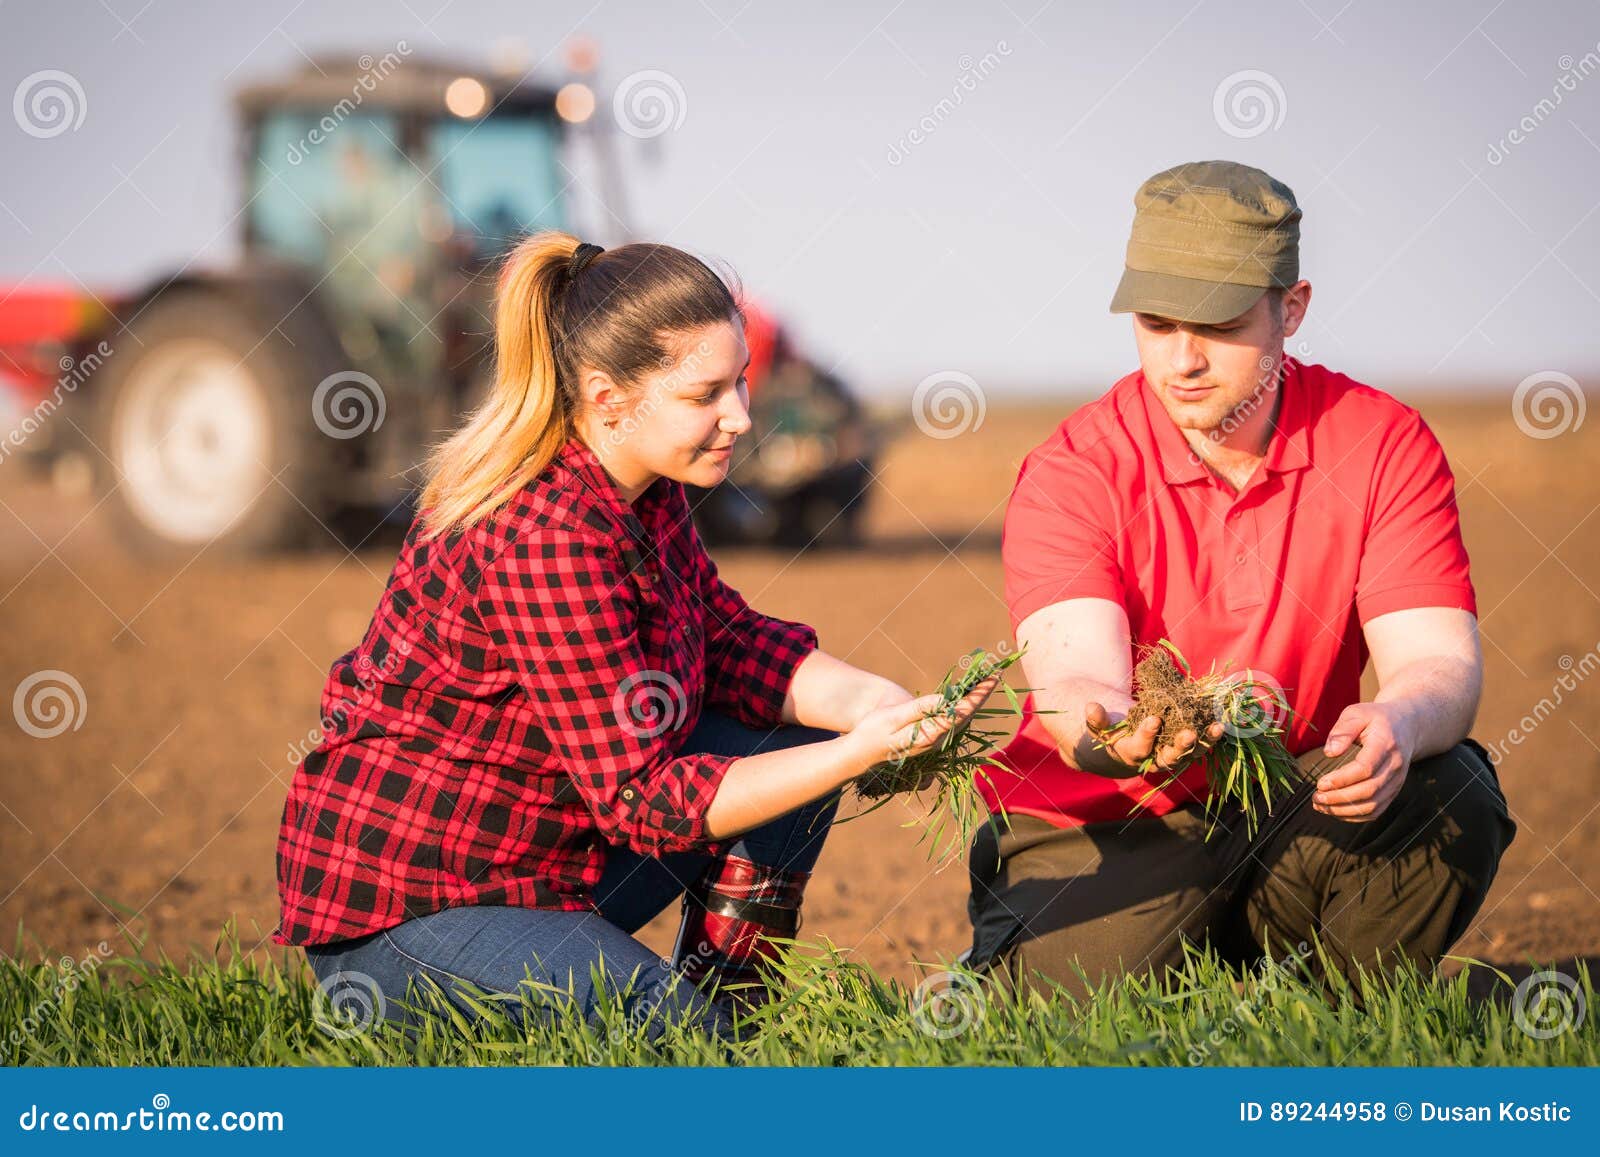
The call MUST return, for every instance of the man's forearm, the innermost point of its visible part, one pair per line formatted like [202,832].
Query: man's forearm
[1438,700]
[1065,700]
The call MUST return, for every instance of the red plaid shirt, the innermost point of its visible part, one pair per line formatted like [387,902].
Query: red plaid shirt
[518,703]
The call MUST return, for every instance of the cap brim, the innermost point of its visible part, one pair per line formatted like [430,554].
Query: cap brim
[1182,298]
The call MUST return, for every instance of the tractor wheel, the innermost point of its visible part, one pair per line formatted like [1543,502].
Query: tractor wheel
[823,515]
[818,517]
[203,419]
[730,516]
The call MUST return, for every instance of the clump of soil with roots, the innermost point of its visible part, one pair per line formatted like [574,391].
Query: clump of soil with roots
[1248,766]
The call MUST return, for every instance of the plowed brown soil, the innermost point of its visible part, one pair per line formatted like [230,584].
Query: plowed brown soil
[158,813]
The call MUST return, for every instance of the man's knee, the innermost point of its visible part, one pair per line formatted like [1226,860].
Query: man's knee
[1463,785]
[1461,828]
[1073,908]
[1058,962]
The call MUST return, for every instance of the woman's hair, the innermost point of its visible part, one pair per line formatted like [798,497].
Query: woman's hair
[620,314]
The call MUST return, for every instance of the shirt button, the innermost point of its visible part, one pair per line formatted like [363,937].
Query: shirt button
[628,793]
[1238,558]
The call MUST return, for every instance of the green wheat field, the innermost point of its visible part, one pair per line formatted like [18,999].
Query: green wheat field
[240,1010]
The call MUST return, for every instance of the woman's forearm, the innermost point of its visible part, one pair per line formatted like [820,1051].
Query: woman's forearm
[829,693]
[759,788]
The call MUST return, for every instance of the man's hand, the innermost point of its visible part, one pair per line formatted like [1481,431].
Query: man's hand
[1124,756]
[1362,789]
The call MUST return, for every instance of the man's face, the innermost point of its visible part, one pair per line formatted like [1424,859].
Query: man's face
[1204,373]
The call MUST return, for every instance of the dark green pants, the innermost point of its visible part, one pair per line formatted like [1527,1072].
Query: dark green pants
[1120,897]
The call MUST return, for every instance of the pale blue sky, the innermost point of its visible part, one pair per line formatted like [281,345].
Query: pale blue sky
[992,246]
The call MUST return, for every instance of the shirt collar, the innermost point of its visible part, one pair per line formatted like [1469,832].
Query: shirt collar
[1288,448]
[1290,445]
[592,478]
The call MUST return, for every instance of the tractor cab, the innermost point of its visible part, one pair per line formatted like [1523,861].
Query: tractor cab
[397,183]
[262,405]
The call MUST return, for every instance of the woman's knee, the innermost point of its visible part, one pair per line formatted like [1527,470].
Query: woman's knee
[466,957]
[795,735]
[719,733]
[362,982]
[792,842]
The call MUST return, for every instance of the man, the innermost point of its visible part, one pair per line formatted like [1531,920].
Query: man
[1267,514]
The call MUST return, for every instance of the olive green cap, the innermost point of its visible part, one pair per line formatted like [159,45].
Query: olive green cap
[1209,238]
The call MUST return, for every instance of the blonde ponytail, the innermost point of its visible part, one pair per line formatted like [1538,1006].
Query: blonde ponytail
[618,314]
[518,430]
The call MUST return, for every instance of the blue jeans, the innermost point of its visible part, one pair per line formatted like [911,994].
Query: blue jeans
[495,949]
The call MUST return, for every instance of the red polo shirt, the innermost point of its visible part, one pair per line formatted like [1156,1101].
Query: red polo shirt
[1352,515]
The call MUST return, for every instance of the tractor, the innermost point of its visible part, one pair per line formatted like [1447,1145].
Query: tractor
[251,408]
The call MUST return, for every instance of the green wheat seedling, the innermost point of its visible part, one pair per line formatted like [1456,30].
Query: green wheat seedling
[238,1007]
[963,758]
[1249,765]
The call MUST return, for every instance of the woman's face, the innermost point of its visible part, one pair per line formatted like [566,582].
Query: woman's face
[681,421]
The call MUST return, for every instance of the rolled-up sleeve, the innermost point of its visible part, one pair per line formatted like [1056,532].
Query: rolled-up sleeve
[1057,540]
[1413,554]
[562,612]
[750,657]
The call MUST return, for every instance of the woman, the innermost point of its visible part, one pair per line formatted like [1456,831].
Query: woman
[561,718]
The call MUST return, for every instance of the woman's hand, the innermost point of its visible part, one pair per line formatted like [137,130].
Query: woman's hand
[897,731]
[882,693]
